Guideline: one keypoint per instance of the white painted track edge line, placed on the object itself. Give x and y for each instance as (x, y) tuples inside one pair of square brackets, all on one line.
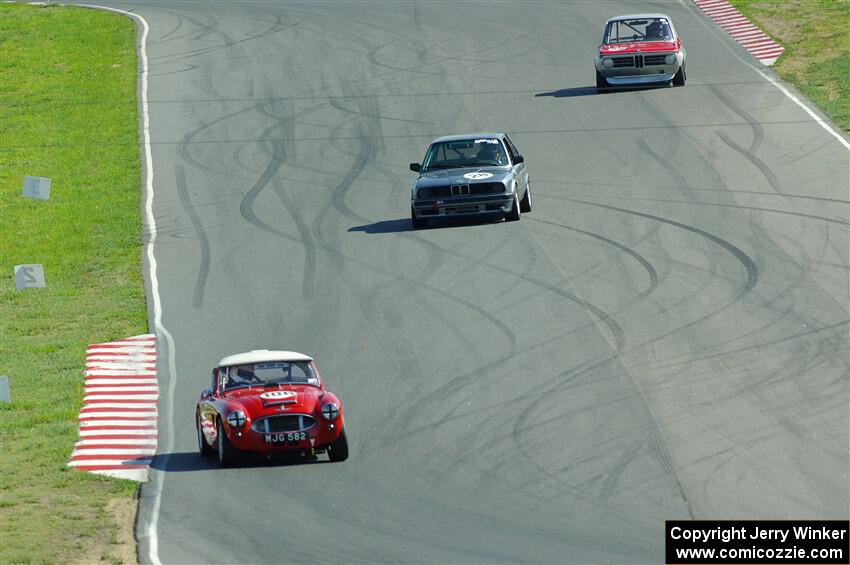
[(160, 329), (774, 81)]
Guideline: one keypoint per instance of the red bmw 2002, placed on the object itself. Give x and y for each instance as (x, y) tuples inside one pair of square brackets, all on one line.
[(640, 49), (269, 402)]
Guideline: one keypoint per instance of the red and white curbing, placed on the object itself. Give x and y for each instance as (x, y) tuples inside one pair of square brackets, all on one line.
[(118, 433), (759, 44)]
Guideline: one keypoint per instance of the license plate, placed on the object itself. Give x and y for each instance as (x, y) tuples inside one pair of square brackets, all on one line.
[(285, 437)]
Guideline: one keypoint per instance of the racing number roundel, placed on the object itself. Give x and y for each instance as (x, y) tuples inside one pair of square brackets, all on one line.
[(477, 175), (278, 394)]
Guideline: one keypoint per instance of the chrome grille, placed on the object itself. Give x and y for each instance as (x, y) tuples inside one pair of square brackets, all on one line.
[(653, 60), (283, 423), (620, 62)]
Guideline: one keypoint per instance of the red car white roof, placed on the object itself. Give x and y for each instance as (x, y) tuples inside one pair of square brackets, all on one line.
[(262, 356)]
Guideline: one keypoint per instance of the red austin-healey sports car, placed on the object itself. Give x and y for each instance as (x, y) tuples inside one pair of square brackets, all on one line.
[(269, 402)]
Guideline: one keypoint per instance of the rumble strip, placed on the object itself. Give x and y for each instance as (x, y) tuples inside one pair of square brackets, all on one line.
[(118, 419), (742, 30)]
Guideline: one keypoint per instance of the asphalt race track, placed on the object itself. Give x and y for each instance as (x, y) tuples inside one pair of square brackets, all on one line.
[(665, 336)]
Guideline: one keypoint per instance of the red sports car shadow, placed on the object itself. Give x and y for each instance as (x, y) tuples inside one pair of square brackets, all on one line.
[(185, 461)]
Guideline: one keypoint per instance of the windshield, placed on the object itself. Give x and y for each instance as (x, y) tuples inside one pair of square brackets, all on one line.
[(644, 29), (269, 373), (480, 152)]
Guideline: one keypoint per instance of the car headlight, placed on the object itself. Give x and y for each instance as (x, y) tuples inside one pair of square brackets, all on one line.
[(669, 59), (330, 411), (607, 62), (236, 419)]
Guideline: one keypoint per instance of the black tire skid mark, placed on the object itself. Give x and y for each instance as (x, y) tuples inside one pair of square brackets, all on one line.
[(740, 256), (286, 125), (684, 187), (739, 207), (653, 428), (338, 259), (251, 309), (758, 131), (418, 69), (366, 152), (569, 379), (246, 206), (164, 38), (772, 179), (663, 455), (694, 190), (642, 261), (764, 238), (203, 241), (211, 28), (753, 225), (435, 254), (776, 185), (188, 69), (785, 415), (188, 140), (705, 275), (804, 272)]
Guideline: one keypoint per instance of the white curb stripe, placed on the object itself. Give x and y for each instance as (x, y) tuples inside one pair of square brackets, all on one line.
[(142, 442), (119, 453), (96, 461)]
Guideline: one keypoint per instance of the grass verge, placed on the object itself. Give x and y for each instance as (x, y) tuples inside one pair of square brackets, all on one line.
[(816, 38), (67, 112)]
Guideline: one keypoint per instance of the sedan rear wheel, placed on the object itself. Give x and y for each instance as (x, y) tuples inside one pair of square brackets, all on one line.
[(203, 447), (338, 450), (226, 452)]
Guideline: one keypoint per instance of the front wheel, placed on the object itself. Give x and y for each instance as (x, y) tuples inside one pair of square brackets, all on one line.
[(226, 452), (601, 83), (203, 447), (513, 213), (680, 77), (525, 203), (418, 223), (338, 450)]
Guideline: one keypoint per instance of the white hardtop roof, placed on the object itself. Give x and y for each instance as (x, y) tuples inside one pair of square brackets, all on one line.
[(262, 356), (462, 136), (638, 17)]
